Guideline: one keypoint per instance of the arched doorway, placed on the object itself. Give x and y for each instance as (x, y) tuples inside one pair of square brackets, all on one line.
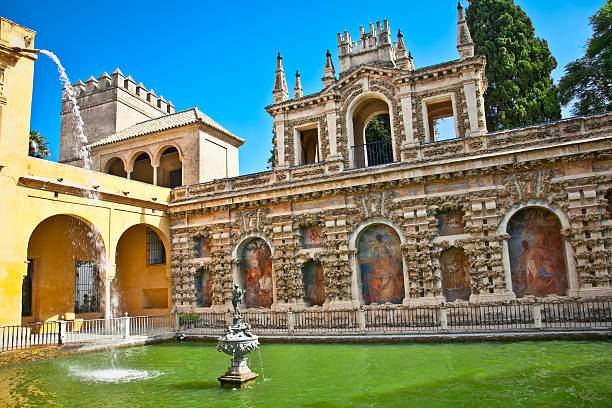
[(141, 285), (455, 275), (256, 273), (371, 135), (143, 170), (115, 167), (537, 256), (170, 170), (380, 264), (312, 279), (64, 255)]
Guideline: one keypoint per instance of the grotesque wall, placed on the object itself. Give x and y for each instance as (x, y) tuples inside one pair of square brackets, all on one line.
[(482, 217)]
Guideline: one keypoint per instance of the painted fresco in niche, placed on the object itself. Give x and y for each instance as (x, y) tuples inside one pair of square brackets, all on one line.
[(257, 273), (537, 259), (204, 248), (311, 237), (314, 288), (455, 275), (203, 284), (380, 263), (451, 222)]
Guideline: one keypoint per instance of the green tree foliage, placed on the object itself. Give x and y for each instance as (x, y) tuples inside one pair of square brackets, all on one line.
[(588, 80), (38, 146), (378, 128), (521, 91)]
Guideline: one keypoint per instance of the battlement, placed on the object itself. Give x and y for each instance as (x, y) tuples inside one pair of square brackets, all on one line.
[(108, 105), (118, 81), (374, 47)]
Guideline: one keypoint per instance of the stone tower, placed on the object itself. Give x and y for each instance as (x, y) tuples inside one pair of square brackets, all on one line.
[(108, 105)]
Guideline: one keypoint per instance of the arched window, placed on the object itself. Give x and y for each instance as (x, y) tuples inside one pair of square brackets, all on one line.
[(156, 253), (537, 258), (371, 132), (256, 267), (116, 168), (143, 170), (380, 265), (170, 170)]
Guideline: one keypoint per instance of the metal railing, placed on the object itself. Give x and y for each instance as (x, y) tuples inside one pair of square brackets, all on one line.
[(503, 317), (372, 154), (84, 331)]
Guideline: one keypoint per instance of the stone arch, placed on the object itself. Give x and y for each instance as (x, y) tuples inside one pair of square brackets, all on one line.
[(366, 106), (455, 271), (169, 164), (158, 153), (531, 245), (141, 167), (253, 270), (116, 167), (139, 286), (378, 265), (68, 256)]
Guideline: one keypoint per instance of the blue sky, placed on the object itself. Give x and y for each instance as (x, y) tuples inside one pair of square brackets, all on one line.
[(221, 56)]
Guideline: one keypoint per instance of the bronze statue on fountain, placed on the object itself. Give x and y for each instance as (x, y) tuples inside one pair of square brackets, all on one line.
[(238, 341)]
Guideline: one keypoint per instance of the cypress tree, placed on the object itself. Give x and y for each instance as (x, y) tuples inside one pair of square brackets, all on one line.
[(521, 91)]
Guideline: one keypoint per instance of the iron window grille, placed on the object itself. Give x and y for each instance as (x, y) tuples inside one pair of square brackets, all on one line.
[(26, 291), (86, 287), (156, 253)]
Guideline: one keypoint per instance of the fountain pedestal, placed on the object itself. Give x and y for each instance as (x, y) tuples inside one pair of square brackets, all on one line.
[(237, 342)]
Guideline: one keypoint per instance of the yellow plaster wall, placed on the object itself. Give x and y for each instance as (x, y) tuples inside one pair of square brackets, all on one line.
[(14, 131), (137, 282), (59, 189)]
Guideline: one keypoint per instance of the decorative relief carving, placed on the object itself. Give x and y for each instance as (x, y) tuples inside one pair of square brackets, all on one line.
[(525, 186)]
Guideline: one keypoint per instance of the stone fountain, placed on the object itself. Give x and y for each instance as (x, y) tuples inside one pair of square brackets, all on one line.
[(238, 341)]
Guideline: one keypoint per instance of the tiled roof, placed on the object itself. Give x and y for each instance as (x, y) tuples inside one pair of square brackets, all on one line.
[(174, 120)]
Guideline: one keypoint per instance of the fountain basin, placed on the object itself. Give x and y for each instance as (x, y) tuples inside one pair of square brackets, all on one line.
[(237, 342)]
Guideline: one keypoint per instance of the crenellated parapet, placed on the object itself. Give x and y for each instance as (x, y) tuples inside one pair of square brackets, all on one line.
[(108, 104), (375, 47), (115, 81)]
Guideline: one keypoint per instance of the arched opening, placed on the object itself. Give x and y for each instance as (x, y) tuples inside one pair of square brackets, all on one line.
[(380, 264), (63, 279), (372, 134), (256, 273), (537, 257), (203, 284), (115, 167), (170, 170), (455, 275), (143, 170), (141, 283), (314, 288)]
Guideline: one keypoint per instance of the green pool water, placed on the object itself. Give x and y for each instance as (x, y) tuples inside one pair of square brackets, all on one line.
[(521, 374)]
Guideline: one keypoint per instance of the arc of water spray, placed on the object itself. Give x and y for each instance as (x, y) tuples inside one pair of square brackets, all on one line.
[(83, 154)]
